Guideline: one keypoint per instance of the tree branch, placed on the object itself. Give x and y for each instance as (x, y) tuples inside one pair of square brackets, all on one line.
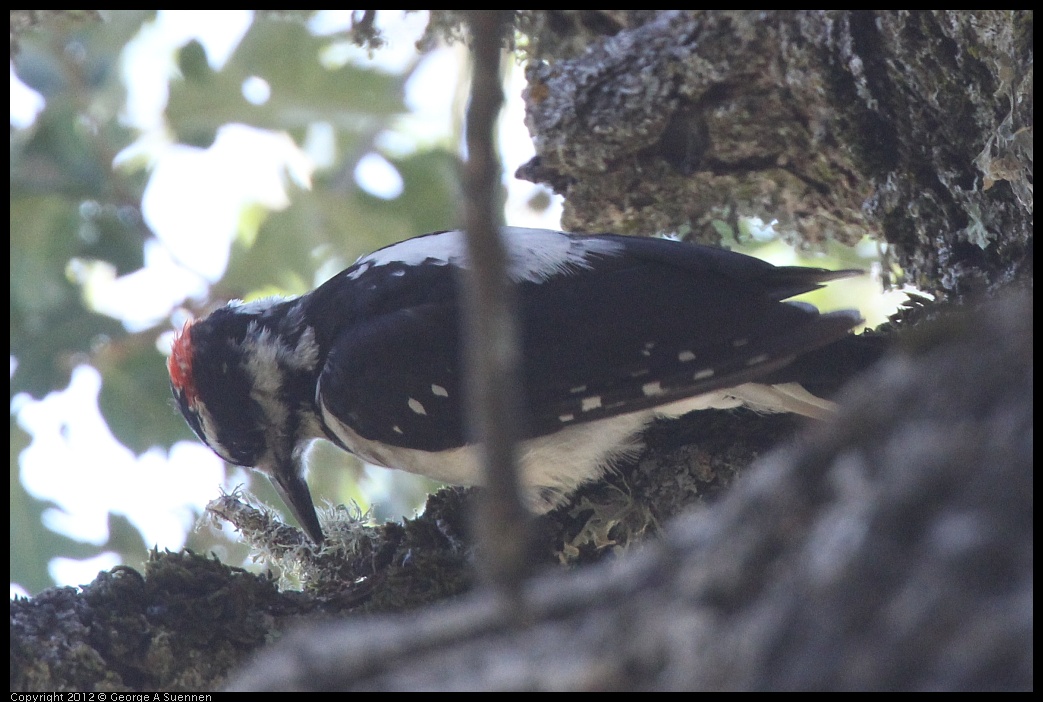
[(491, 333)]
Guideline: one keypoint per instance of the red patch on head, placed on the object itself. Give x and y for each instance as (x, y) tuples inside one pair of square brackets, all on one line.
[(180, 365)]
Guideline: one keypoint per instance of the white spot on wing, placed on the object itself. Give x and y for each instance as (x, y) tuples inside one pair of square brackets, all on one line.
[(759, 358), (652, 389), (685, 356), (740, 342), (566, 418), (358, 269), (703, 374), (439, 390), (397, 429), (415, 405), (590, 403), (578, 389)]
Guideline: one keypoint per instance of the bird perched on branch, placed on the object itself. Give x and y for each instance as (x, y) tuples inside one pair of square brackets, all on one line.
[(615, 331)]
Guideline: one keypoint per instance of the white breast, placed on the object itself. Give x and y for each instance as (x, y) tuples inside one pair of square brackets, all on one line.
[(553, 466)]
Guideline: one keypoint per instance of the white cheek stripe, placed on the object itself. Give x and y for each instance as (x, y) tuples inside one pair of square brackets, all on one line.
[(206, 422)]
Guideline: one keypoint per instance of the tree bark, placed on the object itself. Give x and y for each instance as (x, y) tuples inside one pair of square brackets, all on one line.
[(889, 548)]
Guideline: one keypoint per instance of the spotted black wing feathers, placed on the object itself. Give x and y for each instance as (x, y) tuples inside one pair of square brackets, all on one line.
[(658, 322)]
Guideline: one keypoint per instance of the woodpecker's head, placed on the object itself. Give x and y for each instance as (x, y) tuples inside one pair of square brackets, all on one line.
[(243, 378)]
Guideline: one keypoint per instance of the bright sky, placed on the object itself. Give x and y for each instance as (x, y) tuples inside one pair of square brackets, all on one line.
[(74, 460)]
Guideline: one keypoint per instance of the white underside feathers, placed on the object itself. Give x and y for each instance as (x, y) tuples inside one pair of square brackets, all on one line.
[(553, 466)]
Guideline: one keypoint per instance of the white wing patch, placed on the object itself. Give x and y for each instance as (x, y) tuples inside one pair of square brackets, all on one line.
[(533, 255), (257, 306)]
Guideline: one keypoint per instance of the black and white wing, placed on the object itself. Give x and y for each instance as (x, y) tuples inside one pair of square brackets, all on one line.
[(609, 325)]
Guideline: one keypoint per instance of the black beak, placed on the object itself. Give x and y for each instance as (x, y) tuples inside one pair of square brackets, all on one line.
[(293, 490)]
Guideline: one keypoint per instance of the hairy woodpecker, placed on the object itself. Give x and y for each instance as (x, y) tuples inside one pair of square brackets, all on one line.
[(615, 331)]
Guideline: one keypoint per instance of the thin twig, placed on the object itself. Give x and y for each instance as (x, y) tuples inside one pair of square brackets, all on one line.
[(491, 333)]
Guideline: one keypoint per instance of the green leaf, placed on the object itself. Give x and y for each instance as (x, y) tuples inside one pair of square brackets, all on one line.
[(50, 326), (61, 157), (191, 61), (303, 91), (135, 395), (115, 235), (431, 191)]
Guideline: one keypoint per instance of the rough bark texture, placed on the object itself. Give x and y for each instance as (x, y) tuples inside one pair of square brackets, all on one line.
[(891, 548), (915, 127)]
